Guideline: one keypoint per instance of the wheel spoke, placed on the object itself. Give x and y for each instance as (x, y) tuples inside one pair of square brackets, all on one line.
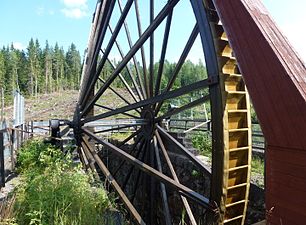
[(130, 137), (142, 143), (127, 178), (143, 57), (162, 97), (139, 93), (188, 154), (107, 8), (116, 128), (164, 12), (140, 81), (110, 44), (151, 50), (173, 173), (162, 186), (154, 173), (117, 93), (116, 186), (183, 108), (181, 61), (163, 53), (111, 109)]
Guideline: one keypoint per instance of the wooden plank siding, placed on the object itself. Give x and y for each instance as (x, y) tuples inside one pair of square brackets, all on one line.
[(276, 80)]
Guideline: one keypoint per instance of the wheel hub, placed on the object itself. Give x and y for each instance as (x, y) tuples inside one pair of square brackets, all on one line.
[(148, 128)]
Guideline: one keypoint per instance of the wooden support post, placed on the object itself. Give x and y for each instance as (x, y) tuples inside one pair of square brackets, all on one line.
[(2, 171)]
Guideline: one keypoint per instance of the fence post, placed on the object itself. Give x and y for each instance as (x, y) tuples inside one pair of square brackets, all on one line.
[(22, 134), (2, 171), (12, 136), (32, 128), (17, 138)]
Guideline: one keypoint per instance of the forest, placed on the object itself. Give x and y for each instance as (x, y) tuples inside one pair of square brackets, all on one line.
[(39, 70)]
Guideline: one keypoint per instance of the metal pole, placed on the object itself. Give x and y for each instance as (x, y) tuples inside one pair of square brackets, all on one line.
[(2, 172)]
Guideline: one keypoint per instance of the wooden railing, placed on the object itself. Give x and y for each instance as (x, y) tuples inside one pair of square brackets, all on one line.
[(200, 125)]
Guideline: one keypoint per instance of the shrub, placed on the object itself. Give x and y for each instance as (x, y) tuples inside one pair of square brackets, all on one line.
[(55, 190), (202, 142)]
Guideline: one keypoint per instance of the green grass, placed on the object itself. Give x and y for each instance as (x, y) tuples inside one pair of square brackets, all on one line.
[(55, 190), (258, 165)]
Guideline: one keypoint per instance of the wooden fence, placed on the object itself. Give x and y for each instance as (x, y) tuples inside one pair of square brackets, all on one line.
[(11, 139)]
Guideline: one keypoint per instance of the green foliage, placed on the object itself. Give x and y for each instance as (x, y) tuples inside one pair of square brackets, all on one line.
[(39, 70), (55, 190), (202, 142)]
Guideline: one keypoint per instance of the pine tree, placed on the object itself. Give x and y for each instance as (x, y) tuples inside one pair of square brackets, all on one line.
[(47, 65), (2, 70), (73, 67)]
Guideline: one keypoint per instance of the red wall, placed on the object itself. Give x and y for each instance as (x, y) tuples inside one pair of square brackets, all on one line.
[(276, 80)]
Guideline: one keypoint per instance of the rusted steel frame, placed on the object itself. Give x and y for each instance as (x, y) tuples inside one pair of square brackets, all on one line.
[(116, 128), (111, 109), (163, 52), (159, 98), (108, 6), (143, 57), (129, 89), (142, 142), (180, 62), (173, 173), (157, 21), (183, 108), (117, 93), (154, 173), (116, 186), (162, 186), (151, 51), (134, 57), (138, 91), (188, 154), (109, 46)]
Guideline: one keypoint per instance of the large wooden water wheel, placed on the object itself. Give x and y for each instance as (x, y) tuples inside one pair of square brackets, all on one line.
[(139, 35)]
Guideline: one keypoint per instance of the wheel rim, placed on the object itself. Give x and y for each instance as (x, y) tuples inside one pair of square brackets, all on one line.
[(143, 103)]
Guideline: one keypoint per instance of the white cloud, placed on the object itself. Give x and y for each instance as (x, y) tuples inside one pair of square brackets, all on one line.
[(75, 9), (75, 3), (74, 13), (18, 45)]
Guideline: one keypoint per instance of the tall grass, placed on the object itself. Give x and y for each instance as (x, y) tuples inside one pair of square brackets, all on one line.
[(55, 190)]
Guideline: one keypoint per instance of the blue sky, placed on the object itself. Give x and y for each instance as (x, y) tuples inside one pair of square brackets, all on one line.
[(67, 21)]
